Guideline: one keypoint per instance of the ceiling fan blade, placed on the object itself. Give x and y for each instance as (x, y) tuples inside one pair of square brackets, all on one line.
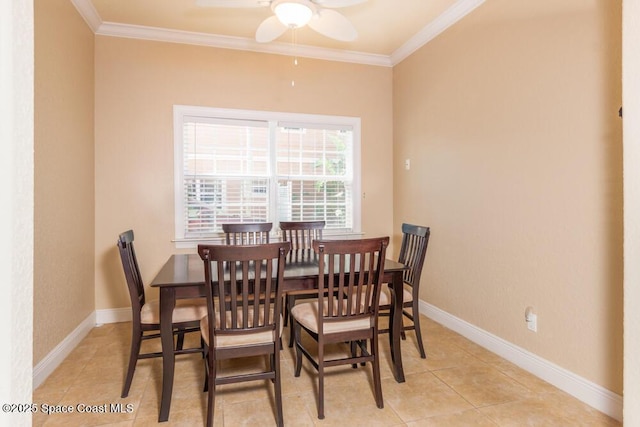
[(270, 29), (334, 25), (337, 3), (232, 3)]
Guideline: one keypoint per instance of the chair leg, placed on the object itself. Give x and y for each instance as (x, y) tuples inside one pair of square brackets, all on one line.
[(205, 357), (272, 366), (278, 390), (392, 315), (296, 333), (211, 379), (136, 339), (320, 381), (289, 303), (363, 345), (377, 385), (205, 389), (180, 341), (354, 344), (416, 326), (286, 311)]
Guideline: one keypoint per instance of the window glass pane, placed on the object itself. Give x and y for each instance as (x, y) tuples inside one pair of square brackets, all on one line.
[(308, 200), (212, 202), (225, 149), (225, 175), (314, 171), (313, 152)]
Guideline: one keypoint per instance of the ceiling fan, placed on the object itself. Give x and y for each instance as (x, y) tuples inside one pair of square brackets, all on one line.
[(318, 14)]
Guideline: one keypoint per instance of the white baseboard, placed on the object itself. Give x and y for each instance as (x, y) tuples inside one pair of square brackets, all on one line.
[(113, 315), (582, 389), (99, 317), (588, 392), (52, 360)]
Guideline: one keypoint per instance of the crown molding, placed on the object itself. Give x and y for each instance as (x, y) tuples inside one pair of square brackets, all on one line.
[(88, 13), (238, 43), (449, 17), (453, 14)]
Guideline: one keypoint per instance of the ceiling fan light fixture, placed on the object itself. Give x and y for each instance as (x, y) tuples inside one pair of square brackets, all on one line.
[(293, 14)]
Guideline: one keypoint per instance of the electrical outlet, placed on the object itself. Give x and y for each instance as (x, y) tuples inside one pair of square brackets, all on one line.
[(531, 319), (532, 322)]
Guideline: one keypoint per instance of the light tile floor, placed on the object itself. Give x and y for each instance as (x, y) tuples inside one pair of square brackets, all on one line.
[(459, 384)]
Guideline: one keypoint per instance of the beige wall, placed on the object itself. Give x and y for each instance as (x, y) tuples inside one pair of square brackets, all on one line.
[(631, 102), (64, 174), (516, 153), (137, 84)]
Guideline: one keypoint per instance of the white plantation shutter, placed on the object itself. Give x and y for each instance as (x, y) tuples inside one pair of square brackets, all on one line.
[(314, 165), (235, 166), (225, 173)]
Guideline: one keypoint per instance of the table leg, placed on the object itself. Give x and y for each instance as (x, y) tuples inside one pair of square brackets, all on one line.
[(167, 304), (395, 331)]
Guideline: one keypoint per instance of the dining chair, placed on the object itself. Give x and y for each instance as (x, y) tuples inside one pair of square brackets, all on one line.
[(146, 314), (300, 234), (349, 280), (255, 233), (244, 296), (413, 250)]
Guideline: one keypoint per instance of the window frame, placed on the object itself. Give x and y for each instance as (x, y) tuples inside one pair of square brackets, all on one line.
[(180, 112)]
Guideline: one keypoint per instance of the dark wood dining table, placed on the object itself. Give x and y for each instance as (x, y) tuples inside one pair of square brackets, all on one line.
[(182, 276)]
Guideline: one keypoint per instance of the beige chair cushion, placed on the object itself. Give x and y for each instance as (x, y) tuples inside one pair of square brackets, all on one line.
[(240, 339), (186, 310), (306, 314), (385, 294)]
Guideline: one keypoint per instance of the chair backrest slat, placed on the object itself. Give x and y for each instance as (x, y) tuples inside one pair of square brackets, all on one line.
[(413, 250), (351, 272), (301, 233), (131, 271), (256, 233), (245, 281)]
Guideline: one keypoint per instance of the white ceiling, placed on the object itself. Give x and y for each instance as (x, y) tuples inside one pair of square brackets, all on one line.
[(388, 30)]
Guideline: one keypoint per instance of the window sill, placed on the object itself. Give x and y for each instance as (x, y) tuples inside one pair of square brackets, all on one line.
[(193, 243)]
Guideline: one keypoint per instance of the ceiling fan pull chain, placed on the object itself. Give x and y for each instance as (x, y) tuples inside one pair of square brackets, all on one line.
[(294, 40)]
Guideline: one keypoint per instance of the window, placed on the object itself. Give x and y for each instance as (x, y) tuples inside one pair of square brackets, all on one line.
[(255, 166)]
